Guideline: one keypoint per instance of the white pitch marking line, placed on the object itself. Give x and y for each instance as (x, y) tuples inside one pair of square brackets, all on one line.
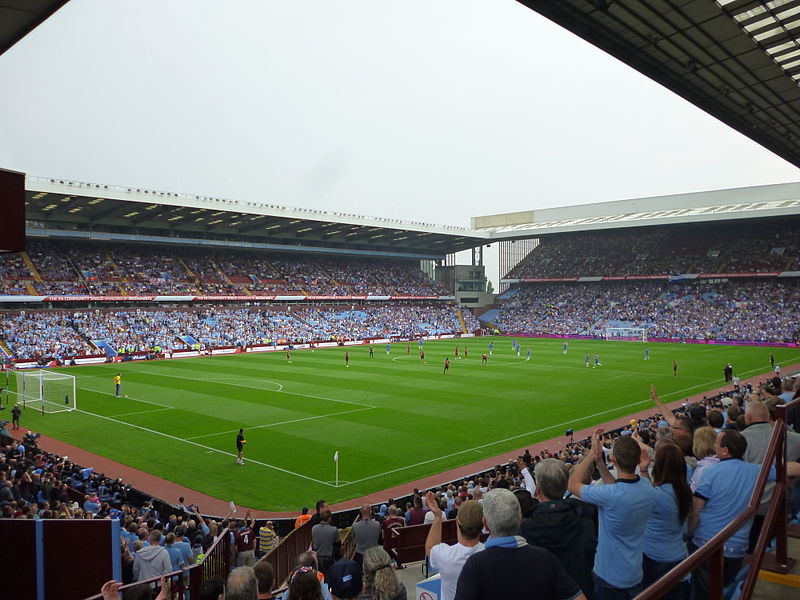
[(221, 380), (344, 412), (521, 435), (252, 387), (128, 398), (142, 412), (535, 363), (209, 448), (406, 357)]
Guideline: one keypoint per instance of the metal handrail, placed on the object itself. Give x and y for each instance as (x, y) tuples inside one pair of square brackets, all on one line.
[(218, 552), (349, 541), (775, 522), (282, 557)]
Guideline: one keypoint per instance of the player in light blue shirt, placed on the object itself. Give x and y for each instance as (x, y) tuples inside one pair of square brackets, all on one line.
[(647, 353), (528, 357), (586, 359), (388, 348), (491, 348)]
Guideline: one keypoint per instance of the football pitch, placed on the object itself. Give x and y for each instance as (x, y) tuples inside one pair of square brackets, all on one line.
[(392, 418)]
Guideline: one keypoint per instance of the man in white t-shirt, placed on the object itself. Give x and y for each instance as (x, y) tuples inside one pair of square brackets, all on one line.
[(449, 560)]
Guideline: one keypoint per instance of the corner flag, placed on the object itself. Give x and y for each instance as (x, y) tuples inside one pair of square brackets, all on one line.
[(336, 460)]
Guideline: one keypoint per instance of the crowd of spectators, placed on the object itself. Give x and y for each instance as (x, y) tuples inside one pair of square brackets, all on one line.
[(38, 484), (13, 287), (43, 334), (763, 311), (140, 269), (614, 508), (764, 246)]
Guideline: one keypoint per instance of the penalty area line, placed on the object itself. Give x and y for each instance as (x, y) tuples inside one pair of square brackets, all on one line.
[(141, 412), (126, 397), (252, 387)]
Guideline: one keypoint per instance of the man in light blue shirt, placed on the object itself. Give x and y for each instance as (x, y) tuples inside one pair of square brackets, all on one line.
[(624, 507)]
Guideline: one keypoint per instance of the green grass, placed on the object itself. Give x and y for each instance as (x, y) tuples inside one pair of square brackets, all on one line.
[(393, 419)]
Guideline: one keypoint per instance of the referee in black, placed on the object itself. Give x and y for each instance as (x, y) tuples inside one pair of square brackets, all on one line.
[(240, 442)]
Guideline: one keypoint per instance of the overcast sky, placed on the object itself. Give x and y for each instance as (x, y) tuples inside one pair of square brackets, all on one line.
[(434, 110)]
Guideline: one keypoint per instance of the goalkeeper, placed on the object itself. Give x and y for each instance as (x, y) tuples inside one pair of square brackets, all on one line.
[(117, 384)]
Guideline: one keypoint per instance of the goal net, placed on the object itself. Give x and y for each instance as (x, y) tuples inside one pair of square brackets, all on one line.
[(47, 391), (631, 334)]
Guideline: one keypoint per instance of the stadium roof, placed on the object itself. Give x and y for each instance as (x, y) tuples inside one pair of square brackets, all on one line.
[(19, 17), (61, 208), (719, 205), (738, 60)]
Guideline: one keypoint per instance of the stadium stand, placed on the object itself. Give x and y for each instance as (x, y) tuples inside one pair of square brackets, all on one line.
[(763, 311), (63, 334), (60, 267), (661, 251)]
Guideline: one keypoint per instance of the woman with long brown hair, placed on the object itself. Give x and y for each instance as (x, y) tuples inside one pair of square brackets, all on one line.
[(663, 544)]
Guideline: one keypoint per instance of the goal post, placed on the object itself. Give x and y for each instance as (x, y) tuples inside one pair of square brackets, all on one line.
[(48, 391), (630, 334)]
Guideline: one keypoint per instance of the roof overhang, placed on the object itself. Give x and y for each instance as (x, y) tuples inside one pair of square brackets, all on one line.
[(19, 17), (735, 59), (719, 205), (56, 207)]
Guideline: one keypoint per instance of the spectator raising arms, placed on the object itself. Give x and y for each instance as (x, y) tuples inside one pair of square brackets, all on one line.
[(624, 504)]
